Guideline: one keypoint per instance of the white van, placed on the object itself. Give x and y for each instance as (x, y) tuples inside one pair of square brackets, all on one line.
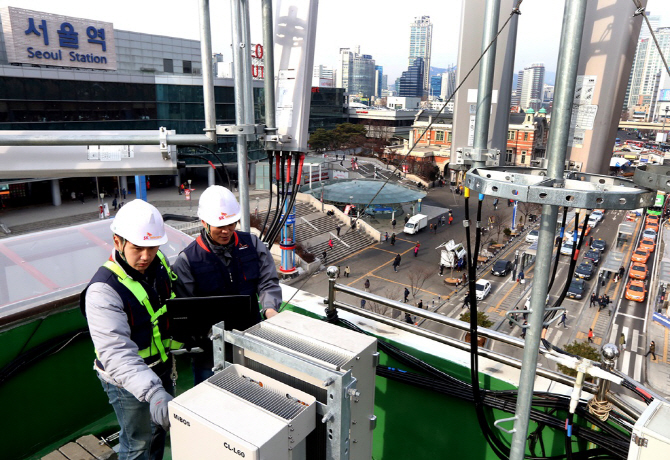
[(416, 223)]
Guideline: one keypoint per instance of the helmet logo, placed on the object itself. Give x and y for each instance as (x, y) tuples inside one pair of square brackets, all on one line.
[(149, 236), (223, 216)]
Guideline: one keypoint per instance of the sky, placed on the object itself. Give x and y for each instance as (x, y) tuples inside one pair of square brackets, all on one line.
[(381, 28)]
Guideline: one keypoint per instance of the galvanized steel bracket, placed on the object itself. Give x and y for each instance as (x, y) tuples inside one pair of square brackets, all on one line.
[(468, 155), (235, 130), (577, 190), (165, 152), (656, 177)]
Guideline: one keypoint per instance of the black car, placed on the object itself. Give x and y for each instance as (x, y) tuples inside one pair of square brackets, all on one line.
[(584, 270), (593, 256), (576, 289), (598, 245), (501, 267)]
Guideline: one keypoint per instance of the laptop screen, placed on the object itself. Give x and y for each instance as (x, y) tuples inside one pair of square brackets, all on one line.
[(193, 317)]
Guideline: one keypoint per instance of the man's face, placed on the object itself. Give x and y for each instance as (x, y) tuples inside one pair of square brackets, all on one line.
[(138, 257), (221, 235)]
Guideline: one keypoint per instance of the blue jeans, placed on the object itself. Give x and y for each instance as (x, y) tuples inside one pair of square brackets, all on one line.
[(140, 438)]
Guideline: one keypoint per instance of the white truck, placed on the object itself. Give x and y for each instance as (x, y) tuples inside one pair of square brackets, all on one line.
[(450, 253), (416, 223)]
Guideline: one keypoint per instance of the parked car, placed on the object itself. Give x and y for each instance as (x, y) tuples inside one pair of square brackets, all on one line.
[(566, 248), (598, 245), (483, 289), (532, 236), (576, 289), (502, 267), (638, 271), (652, 220), (649, 233), (584, 270), (593, 221), (635, 290), (648, 244), (593, 256), (600, 215), (640, 255)]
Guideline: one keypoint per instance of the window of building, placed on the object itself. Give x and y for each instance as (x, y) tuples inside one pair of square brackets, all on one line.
[(168, 66), (509, 157), (449, 137), (525, 136), (510, 135), (187, 67), (523, 157), (439, 136)]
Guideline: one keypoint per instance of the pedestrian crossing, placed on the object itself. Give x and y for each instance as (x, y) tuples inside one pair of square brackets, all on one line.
[(631, 354)]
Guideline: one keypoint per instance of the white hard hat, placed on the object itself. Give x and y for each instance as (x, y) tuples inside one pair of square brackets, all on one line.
[(140, 223), (218, 206)]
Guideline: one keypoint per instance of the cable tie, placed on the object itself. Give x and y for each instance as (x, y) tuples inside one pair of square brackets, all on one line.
[(478, 224), (466, 223)]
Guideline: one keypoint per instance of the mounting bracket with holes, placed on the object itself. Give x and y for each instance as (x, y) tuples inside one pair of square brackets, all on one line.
[(656, 177), (577, 190)]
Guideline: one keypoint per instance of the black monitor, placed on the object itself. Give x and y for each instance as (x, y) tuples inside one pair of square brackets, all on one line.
[(191, 318)]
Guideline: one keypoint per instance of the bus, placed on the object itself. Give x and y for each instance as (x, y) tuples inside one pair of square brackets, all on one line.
[(659, 203)]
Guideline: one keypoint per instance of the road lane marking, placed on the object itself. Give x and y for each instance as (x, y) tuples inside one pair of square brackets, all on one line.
[(636, 336), (637, 373), (631, 316), (625, 362)]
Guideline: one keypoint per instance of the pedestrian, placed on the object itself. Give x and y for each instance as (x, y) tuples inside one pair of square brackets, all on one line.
[(466, 301), (362, 303), (590, 335), (601, 302), (495, 204), (406, 294), (337, 230), (324, 256), (406, 219), (347, 271), (458, 265), (180, 189), (430, 228), (396, 262), (330, 243), (622, 342), (465, 278), (441, 269), (393, 239), (590, 241), (81, 197), (451, 219), (564, 317), (594, 299), (123, 193), (386, 236), (652, 350), (223, 261), (408, 318), (338, 271), (607, 299), (523, 329), (435, 228), (416, 250), (131, 341), (520, 277), (509, 203), (420, 304), (115, 204), (622, 270), (393, 222), (525, 313), (367, 285)]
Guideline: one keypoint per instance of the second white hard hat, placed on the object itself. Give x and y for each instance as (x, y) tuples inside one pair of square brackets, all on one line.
[(140, 223), (218, 206)]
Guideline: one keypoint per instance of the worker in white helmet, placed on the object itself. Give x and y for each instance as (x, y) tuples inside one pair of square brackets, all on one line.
[(223, 261), (124, 306)]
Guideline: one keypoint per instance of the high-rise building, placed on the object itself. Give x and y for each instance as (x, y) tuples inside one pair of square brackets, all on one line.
[(448, 83), (323, 77), (411, 81), (420, 44), (362, 77), (646, 66), (379, 80), (344, 68), (436, 85), (530, 86), (385, 82)]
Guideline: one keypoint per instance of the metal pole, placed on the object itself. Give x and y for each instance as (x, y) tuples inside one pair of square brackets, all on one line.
[(240, 48), (269, 75), (207, 71), (486, 69), (102, 139), (568, 61)]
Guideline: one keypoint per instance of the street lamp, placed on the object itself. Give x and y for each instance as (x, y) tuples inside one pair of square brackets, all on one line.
[(667, 109), (190, 198)]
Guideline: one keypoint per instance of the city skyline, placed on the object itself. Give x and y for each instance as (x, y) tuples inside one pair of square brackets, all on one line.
[(382, 32)]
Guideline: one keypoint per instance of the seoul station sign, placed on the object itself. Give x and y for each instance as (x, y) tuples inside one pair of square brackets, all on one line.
[(33, 37)]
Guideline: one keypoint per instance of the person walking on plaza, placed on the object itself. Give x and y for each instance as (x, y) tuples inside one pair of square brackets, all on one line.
[(338, 271), (393, 239), (330, 243), (393, 222), (622, 342), (123, 193), (420, 304), (324, 256), (523, 330), (367, 285), (416, 249), (406, 294), (223, 261), (362, 303), (466, 301), (406, 219), (495, 204), (115, 204), (124, 304), (622, 270), (652, 350), (520, 277), (408, 318), (441, 269), (347, 271), (386, 236), (590, 335), (594, 299), (337, 230), (451, 218), (396, 262), (564, 317)]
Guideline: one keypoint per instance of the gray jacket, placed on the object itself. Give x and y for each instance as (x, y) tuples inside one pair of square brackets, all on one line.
[(118, 354), (269, 292)]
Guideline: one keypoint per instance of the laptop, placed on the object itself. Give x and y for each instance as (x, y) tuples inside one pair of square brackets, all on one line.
[(191, 318)]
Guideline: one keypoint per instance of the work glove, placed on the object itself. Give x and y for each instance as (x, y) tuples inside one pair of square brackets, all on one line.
[(159, 408)]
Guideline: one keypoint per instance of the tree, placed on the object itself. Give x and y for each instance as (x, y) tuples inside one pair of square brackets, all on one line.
[(497, 223), (320, 140), (417, 278), (584, 350), (392, 292), (528, 208), (482, 319)]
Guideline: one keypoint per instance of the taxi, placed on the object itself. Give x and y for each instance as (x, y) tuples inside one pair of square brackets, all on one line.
[(638, 271), (640, 255), (635, 290), (652, 221), (648, 244)]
